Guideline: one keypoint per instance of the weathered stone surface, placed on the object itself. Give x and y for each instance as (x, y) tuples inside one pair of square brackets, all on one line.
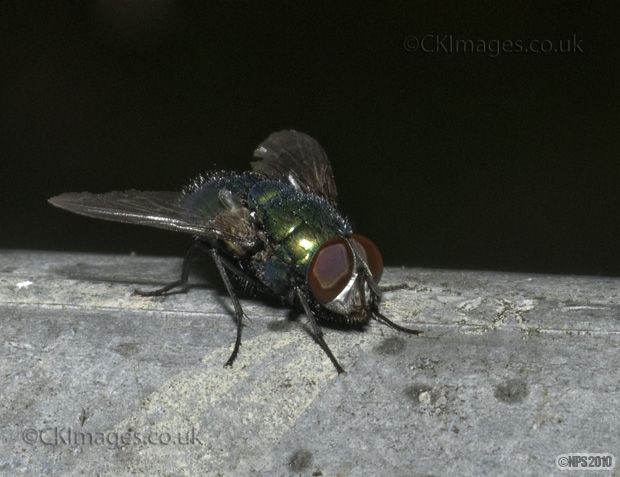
[(513, 370)]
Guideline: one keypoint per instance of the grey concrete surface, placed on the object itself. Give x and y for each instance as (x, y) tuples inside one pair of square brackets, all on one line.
[(513, 370)]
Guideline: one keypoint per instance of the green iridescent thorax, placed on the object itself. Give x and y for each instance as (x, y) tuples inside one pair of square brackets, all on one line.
[(298, 224)]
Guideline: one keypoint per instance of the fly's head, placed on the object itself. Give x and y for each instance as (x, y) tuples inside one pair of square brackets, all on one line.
[(343, 277)]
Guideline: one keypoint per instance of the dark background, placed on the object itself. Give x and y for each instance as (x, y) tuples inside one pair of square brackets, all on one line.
[(459, 160)]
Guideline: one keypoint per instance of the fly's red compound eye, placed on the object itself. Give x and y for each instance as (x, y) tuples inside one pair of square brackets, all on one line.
[(330, 270), (369, 252)]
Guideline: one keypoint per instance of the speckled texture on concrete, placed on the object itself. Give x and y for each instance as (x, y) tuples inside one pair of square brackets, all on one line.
[(513, 370)]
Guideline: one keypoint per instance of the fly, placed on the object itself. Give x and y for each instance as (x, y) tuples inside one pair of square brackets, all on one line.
[(276, 227)]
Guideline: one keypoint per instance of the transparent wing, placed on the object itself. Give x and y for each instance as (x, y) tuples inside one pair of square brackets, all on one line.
[(161, 209), (299, 159)]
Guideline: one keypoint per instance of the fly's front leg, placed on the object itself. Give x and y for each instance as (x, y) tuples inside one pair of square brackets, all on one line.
[(378, 290), (381, 318), (374, 304), (316, 331), (182, 282), (389, 288), (219, 263)]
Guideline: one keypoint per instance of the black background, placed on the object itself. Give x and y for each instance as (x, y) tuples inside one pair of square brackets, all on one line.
[(461, 160)]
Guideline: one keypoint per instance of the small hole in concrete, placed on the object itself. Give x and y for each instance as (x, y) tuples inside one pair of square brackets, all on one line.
[(512, 391), (300, 460)]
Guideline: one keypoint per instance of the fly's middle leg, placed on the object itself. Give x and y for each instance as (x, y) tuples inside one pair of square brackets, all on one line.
[(220, 264)]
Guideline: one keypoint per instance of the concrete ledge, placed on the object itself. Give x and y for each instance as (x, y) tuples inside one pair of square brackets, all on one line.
[(514, 370)]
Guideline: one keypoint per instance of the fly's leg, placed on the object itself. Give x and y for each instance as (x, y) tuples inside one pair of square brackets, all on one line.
[(379, 289), (386, 321), (389, 288), (374, 307), (316, 331), (375, 287), (219, 263), (238, 272), (182, 282)]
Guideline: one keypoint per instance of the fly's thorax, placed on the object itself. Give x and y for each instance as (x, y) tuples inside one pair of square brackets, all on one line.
[(265, 191), (297, 224)]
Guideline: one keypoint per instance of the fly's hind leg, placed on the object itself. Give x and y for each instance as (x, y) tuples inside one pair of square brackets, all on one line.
[(220, 264), (182, 282)]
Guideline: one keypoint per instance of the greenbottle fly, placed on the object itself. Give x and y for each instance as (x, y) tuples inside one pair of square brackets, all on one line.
[(276, 227)]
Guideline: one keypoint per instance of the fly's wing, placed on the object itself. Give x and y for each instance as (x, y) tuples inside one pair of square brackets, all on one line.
[(299, 159), (161, 209)]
